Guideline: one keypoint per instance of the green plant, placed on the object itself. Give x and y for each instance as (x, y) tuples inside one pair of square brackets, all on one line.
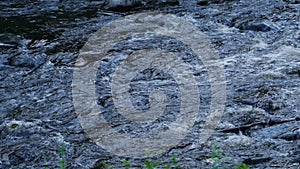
[(158, 164), (105, 165), (62, 163), (241, 166), (126, 163), (218, 157), (173, 163), (151, 164)]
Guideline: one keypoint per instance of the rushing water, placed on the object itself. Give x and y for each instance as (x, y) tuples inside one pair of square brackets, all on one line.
[(258, 43)]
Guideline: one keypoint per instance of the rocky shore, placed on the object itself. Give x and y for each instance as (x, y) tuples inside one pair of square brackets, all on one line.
[(258, 42)]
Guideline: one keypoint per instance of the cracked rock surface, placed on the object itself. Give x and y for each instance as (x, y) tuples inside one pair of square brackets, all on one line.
[(258, 43)]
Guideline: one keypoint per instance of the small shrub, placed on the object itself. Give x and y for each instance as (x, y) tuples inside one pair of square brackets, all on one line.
[(158, 164), (105, 165), (62, 163), (126, 163), (218, 157), (241, 166), (150, 164)]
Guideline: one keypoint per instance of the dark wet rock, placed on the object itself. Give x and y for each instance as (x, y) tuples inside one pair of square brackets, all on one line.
[(121, 5), (24, 60), (257, 160), (276, 131), (258, 27), (206, 2), (128, 5), (221, 1), (9, 41), (291, 136), (294, 72), (292, 1), (203, 3)]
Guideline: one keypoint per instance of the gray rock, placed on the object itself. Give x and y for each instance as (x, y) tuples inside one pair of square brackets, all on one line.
[(257, 41)]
